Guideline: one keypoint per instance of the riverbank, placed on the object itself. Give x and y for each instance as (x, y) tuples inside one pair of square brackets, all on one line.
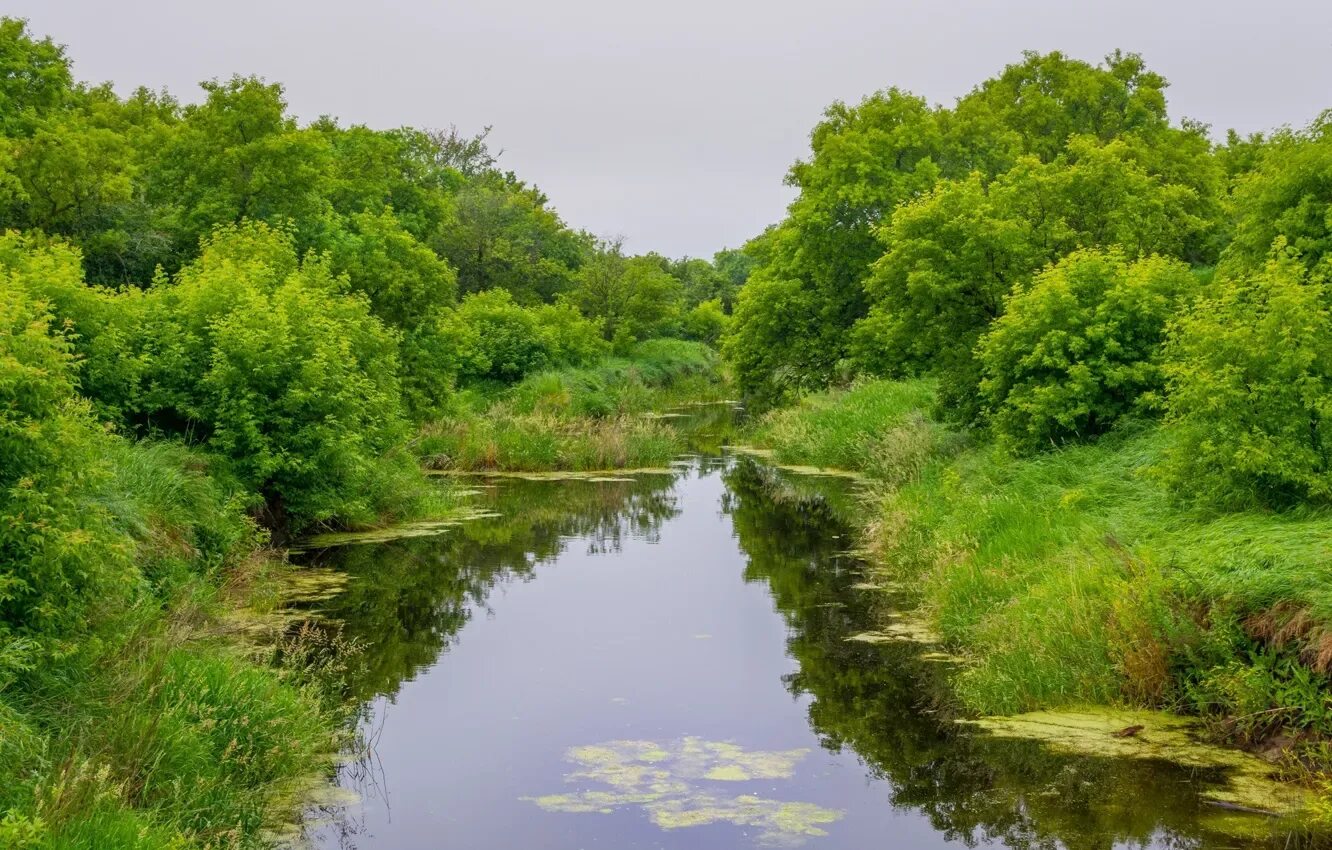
[(604, 416), (186, 714), (161, 725), (1073, 578)]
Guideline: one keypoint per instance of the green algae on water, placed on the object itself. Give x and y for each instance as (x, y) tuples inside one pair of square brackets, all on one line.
[(672, 783), (1248, 781), (401, 531)]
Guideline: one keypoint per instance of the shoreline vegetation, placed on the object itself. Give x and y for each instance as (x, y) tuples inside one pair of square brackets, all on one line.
[(1073, 578), (1081, 354), (221, 331)]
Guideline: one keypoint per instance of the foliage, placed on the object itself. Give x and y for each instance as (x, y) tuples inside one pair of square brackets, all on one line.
[(1080, 347), (633, 298), (1285, 192), (1250, 388), (269, 362), (586, 418), (913, 223), (706, 322), (60, 558)]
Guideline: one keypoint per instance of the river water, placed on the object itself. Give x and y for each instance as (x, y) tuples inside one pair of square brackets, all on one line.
[(661, 661)]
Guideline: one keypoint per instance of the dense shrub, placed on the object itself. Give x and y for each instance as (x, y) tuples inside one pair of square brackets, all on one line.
[(60, 555), (1250, 388), (504, 338), (1079, 347), (1288, 194), (706, 322), (272, 364)]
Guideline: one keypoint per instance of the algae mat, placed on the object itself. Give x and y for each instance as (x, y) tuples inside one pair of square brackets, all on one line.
[(1249, 781), (681, 784)]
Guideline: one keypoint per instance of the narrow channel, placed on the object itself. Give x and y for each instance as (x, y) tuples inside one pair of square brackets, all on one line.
[(660, 660)]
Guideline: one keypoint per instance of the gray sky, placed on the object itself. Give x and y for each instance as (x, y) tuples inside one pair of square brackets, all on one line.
[(672, 123)]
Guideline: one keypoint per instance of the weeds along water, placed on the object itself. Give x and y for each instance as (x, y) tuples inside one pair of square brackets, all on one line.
[(1074, 578)]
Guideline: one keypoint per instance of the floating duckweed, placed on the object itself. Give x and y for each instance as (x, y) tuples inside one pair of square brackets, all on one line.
[(425, 528), (556, 475), (661, 780), (909, 627), (1249, 783), (728, 773)]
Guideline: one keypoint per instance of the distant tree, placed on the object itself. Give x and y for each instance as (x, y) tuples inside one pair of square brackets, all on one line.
[(632, 297), (503, 236)]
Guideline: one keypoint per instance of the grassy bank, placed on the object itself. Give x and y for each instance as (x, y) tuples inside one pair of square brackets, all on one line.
[(150, 727), (597, 417), (1072, 577)]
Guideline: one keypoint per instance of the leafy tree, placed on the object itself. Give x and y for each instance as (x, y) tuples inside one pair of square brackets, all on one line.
[(503, 236), (707, 322), (1036, 105), (404, 280), (773, 339), (274, 365), (633, 298), (734, 266), (239, 155), (953, 256), (1080, 346), (1249, 374), (1288, 193), (35, 80)]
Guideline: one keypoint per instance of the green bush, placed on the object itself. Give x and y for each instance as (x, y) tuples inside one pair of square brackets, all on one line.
[(504, 338), (1250, 389), (1079, 347), (706, 322), (60, 555), (271, 364), (1288, 194)]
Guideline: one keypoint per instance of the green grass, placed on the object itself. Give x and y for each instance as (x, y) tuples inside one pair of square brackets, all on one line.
[(1073, 576), (152, 730), (577, 419)]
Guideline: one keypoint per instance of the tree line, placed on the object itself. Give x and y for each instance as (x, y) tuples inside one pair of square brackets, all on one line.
[(1061, 257)]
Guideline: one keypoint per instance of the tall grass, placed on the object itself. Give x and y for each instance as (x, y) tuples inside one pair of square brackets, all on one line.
[(578, 419), (152, 731)]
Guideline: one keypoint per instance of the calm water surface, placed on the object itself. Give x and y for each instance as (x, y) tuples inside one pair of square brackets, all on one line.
[(661, 662)]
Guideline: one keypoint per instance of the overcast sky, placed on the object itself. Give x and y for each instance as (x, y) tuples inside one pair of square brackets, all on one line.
[(672, 123)]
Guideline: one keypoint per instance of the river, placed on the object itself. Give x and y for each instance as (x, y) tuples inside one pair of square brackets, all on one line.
[(660, 660)]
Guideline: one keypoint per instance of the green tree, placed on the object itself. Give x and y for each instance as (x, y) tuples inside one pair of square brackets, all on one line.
[(272, 364), (404, 280), (633, 298), (1288, 193), (239, 155), (503, 236), (1249, 374), (35, 79), (953, 256), (1080, 347)]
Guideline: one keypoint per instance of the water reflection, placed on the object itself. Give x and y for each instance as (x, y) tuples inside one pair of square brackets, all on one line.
[(886, 704), (407, 599), (621, 625)]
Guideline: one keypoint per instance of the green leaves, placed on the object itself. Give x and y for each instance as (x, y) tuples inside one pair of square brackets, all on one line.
[(1250, 388), (1080, 347)]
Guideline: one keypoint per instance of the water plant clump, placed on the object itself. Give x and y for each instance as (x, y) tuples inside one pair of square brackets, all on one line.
[(672, 783)]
